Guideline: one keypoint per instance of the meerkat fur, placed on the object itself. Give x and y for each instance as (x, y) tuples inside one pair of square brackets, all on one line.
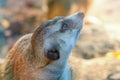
[(44, 54)]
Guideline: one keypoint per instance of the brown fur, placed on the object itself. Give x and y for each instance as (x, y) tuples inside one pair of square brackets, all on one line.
[(20, 62), (65, 7), (25, 60)]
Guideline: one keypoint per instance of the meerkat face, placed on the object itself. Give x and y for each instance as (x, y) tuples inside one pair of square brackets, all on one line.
[(60, 35)]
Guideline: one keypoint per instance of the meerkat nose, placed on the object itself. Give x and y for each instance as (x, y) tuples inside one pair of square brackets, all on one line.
[(80, 14)]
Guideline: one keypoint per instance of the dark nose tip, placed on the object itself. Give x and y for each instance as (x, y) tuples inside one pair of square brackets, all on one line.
[(81, 14)]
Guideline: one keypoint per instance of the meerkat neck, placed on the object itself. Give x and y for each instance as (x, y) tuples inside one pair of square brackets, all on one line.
[(35, 59), (55, 69)]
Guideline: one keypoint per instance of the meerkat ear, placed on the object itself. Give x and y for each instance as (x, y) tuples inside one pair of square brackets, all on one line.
[(52, 54)]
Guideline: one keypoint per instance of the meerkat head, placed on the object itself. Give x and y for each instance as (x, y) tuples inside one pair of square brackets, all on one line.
[(57, 37)]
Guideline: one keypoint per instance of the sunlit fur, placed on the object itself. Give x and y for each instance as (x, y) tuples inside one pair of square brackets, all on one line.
[(27, 60)]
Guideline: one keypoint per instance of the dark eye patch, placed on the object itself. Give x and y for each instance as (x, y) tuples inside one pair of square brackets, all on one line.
[(64, 27)]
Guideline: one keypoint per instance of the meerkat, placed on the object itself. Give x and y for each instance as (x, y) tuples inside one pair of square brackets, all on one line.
[(44, 54)]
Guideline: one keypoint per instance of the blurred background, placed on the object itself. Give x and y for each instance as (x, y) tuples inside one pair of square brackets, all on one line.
[(98, 48)]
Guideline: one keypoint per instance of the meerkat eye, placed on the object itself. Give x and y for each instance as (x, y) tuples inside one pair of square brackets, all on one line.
[(64, 27)]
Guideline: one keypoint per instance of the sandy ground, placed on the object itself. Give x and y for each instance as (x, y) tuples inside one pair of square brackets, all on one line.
[(107, 13)]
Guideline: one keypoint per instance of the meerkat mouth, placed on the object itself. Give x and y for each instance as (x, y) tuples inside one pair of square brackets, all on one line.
[(53, 54)]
